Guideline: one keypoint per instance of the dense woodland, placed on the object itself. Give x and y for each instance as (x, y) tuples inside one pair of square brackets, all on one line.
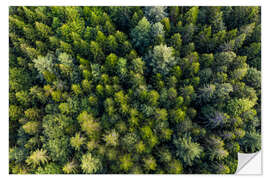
[(146, 90)]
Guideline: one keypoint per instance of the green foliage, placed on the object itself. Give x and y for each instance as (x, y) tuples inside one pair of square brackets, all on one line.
[(187, 150), (141, 35), (129, 140), (192, 15), (176, 43), (19, 79), (70, 167), (251, 142), (158, 33), (155, 90), (111, 138), (224, 58), (161, 59), (90, 164), (150, 163), (88, 125), (178, 115), (23, 98), (76, 88), (37, 158), (77, 141), (31, 127), (253, 78), (126, 162), (207, 93), (50, 168), (96, 51), (155, 14), (15, 112), (238, 106), (175, 167), (43, 30), (44, 64)]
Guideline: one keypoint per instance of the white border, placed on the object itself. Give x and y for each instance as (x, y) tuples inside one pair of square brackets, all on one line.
[(265, 80)]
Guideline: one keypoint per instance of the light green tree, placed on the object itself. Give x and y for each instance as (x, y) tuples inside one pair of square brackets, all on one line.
[(37, 158), (90, 164)]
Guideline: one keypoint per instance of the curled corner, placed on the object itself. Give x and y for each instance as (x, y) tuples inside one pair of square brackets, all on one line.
[(249, 163)]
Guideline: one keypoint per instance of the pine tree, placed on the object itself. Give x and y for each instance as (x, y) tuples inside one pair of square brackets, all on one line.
[(90, 164), (187, 150), (37, 158)]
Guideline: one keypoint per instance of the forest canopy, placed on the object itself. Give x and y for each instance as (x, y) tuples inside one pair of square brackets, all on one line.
[(136, 90)]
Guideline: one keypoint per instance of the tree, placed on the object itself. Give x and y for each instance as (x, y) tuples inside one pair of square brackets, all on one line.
[(161, 59), (19, 79), (56, 125), (175, 167), (140, 147), (111, 138), (129, 141), (15, 112), (58, 148), (155, 13), (43, 30), (121, 68), (88, 124), (187, 32), (158, 33), (176, 43), (77, 141), (66, 63), (192, 15), (178, 115), (206, 94), (100, 39), (90, 164), (146, 132), (45, 65), (37, 158), (253, 52), (50, 168), (56, 128), (111, 61), (141, 35), (253, 78), (137, 65), (216, 148), (187, 150), (219, 154), (216, 19), (121, 16), (153, 97), (96, 51), (126, 162), (112, 45), (70, 167), (223, 90), (251, 142), (150, 163), (238, 106), (76, 88), (224, 58), (167, 25), (161, 114), (172, 81), (31, 127), (174, 13), (172, 93)]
